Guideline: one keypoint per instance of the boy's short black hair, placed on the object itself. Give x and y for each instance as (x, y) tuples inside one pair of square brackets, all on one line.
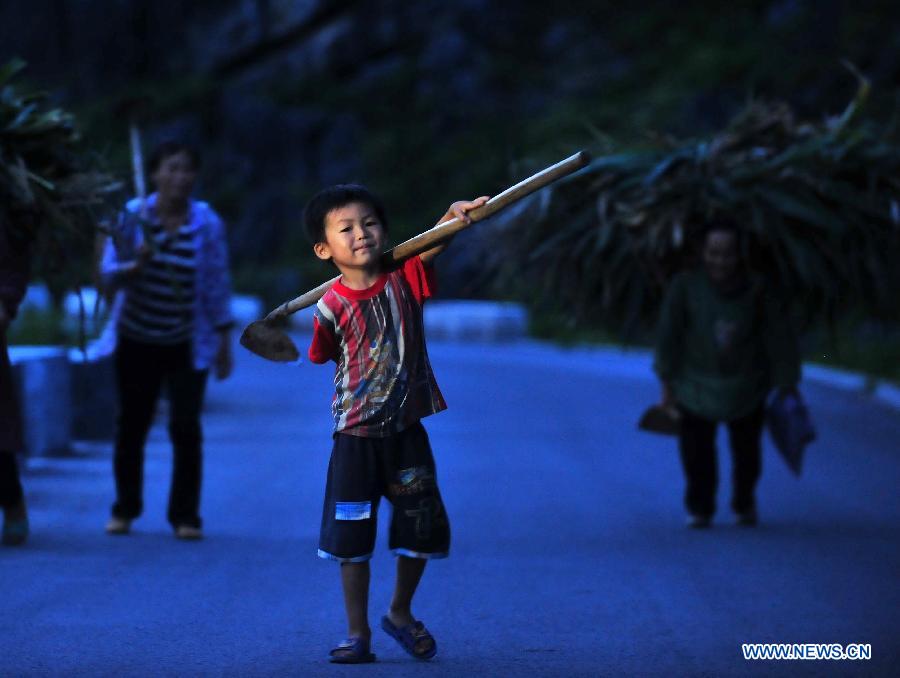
[(335, 197), (167, 149)]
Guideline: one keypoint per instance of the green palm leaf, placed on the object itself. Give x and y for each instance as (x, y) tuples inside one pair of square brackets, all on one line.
[(814, 199)]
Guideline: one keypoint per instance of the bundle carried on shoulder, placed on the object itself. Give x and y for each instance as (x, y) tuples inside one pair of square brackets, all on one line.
[(52, 194), (818, 202)]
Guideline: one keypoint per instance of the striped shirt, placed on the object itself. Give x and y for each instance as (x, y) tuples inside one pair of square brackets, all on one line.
[(159, 307), (383, 379)]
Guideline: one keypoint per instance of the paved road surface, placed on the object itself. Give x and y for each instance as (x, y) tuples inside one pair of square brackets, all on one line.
[(569, 554)]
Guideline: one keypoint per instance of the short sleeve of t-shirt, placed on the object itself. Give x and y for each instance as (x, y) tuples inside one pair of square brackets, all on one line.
[(324, 346), (421, 278)]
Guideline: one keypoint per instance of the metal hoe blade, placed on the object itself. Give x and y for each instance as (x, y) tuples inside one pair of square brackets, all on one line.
[(270, 342)]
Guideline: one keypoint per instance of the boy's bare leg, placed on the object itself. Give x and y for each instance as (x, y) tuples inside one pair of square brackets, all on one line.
[(355, 581), (409, 573)]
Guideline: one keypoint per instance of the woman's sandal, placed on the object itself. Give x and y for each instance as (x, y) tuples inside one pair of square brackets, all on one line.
[(351, 651), (15, 532), (15, 525), (410, 636)]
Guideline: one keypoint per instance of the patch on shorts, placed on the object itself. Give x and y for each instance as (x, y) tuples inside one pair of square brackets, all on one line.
[(429, 514), (412, 481), (352, 510)]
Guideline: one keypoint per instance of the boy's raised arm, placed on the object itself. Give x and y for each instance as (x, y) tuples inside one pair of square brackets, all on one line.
[(458, 210)]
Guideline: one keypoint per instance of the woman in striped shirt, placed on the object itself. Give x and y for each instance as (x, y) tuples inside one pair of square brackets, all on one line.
[(169, 256)]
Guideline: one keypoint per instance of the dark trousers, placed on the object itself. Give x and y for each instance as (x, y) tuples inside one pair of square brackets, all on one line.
[(10, 433), (697, 444), (10, 486), (141, 372)]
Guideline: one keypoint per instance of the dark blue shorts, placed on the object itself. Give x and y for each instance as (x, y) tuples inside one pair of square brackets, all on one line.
[(361, 471)]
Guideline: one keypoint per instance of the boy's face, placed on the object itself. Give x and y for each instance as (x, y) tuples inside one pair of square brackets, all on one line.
[(354, 237)]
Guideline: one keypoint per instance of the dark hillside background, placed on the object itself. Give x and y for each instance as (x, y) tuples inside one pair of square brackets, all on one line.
[(427, 101)]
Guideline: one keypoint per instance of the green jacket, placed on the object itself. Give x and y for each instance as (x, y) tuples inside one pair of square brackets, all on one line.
[(720, 353)]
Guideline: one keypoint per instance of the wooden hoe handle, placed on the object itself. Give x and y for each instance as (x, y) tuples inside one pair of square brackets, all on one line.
[(438, 234)]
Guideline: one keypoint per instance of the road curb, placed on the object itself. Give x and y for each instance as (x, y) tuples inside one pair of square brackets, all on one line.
[(889, 395), (884, 392), (844, 380)]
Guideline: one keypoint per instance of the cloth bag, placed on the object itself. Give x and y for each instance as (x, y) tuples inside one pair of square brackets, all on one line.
[(790, 428)]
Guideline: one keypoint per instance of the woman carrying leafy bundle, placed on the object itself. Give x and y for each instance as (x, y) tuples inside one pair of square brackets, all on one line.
[(723, 343)]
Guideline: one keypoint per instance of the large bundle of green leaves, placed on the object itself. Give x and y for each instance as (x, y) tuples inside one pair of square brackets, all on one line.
[(52, 195), (818, 206)]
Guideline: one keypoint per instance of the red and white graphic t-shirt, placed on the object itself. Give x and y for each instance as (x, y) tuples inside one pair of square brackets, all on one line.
[(383, 380)]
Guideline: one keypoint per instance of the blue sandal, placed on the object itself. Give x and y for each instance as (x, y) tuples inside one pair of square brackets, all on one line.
[(410, 636), (351, 651)]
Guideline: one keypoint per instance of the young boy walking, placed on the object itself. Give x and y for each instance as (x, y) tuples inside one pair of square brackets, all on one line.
[(370, 324)]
